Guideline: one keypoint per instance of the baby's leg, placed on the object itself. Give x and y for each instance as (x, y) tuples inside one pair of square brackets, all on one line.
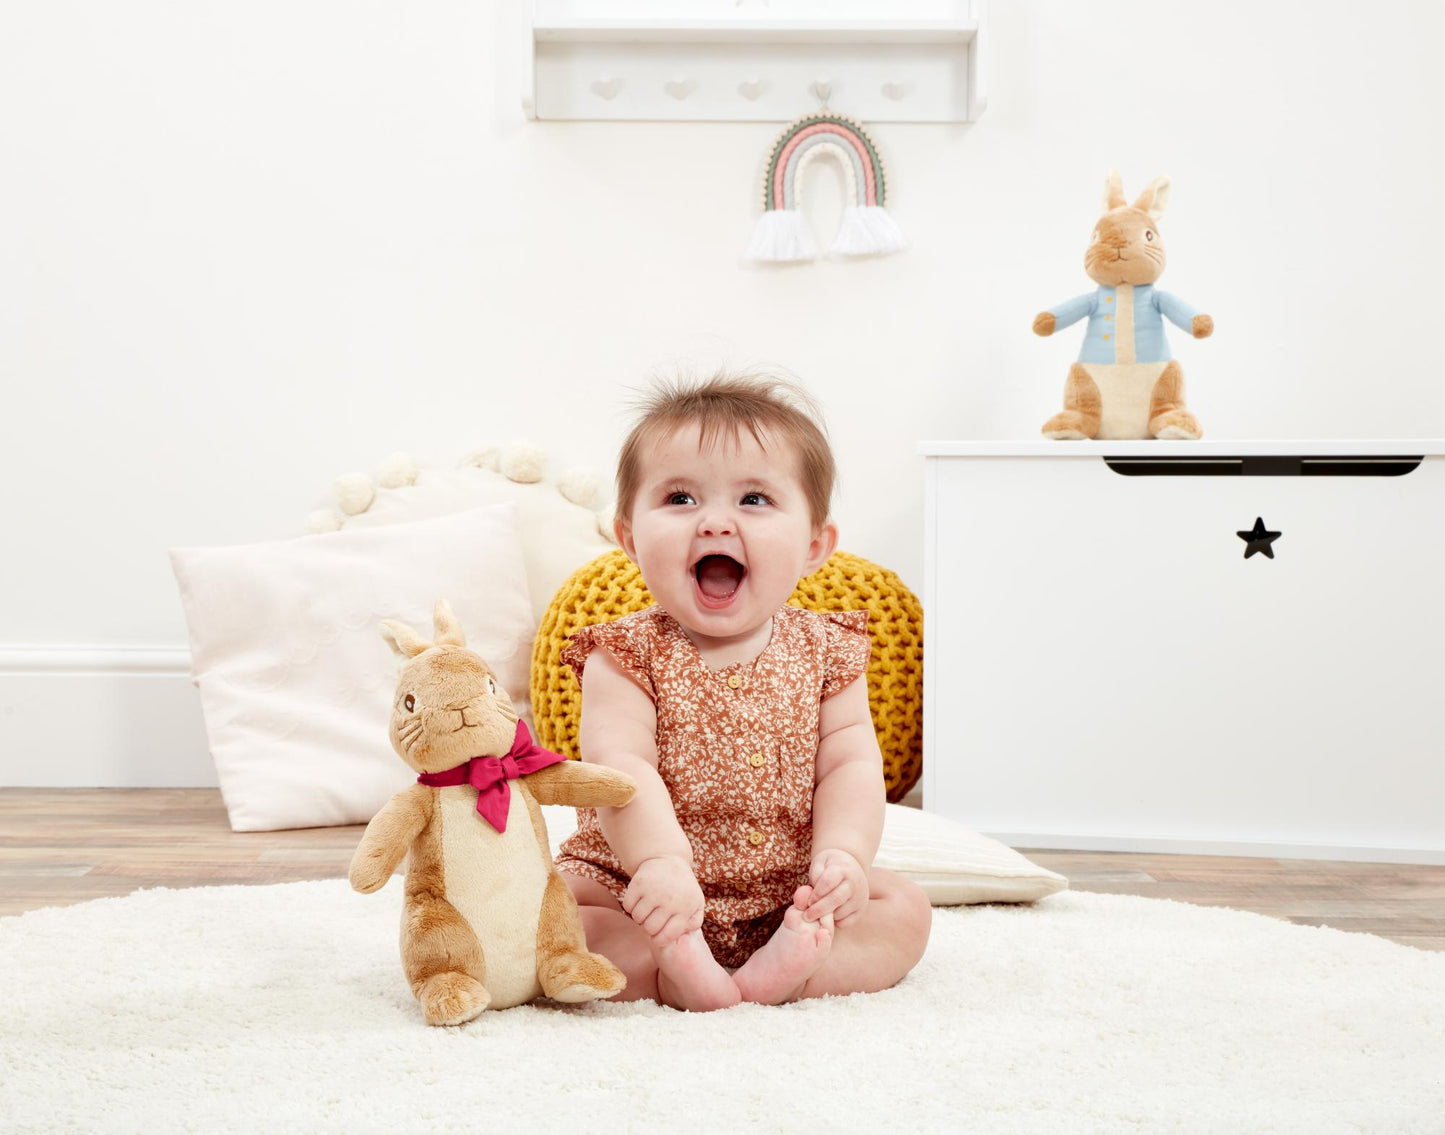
[(683, 975), (612, 933), (874, 950)]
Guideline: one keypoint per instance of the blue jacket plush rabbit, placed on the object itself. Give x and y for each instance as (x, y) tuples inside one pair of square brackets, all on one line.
[(1125, 384), (1108, 321)]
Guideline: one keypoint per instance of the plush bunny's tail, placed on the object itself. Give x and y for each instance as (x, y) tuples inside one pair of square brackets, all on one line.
[(781, 235), (867, 230)]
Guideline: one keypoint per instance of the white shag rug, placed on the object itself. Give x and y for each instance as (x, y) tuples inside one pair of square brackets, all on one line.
[(283, 1008)]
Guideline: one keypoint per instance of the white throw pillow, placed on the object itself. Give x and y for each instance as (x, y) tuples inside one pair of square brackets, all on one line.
[(952, 864), (956, 865), (295, 678), (557, 536)]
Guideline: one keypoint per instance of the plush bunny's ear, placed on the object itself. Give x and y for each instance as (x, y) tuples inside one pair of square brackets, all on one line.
[(405, 641), (1154, 197), (448, 630), (1113, 191)]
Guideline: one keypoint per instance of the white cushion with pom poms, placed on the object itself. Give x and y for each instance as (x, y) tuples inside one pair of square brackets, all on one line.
[(559, 522)]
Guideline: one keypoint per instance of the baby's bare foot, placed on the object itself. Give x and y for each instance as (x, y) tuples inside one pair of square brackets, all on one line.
[(689, 977), (778, 971)]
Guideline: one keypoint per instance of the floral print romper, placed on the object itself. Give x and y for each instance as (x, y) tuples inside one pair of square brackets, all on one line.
[(736, 749)]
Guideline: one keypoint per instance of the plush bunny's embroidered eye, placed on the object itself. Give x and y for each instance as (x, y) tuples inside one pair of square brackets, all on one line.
[(491, 686), (1094, 239), (409, 702), (1148, 234)]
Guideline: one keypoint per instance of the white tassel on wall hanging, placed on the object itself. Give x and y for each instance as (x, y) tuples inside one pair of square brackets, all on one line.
[(782, 233)]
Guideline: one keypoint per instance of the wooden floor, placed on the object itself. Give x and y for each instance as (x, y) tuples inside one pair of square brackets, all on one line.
[(62, 846)]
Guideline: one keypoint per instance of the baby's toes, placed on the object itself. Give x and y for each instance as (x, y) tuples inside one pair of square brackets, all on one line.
[(816, 933)]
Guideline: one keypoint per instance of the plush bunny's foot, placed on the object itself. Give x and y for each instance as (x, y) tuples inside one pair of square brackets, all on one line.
[(579, 976), (451, 998), (1069, 425), (1176, 425)]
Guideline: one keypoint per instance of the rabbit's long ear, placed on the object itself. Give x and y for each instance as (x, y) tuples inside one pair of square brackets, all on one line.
[(448, 630), (405, 641), (1154, 198), (1113, 191)]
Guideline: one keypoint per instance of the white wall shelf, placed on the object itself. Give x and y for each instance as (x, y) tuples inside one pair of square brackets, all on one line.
[(746, 61)]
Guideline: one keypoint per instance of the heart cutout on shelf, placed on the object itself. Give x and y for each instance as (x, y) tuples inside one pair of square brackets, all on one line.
[(606, 87)]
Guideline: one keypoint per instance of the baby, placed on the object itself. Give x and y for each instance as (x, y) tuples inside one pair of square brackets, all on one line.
[(742, 869)]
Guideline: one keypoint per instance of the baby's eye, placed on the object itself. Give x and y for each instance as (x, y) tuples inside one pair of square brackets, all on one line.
[(672, 497), (748, 497)]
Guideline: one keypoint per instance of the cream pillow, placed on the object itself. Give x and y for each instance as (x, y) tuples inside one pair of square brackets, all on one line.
[(955, 865), (557, 535), (952, 864), (295, 678)]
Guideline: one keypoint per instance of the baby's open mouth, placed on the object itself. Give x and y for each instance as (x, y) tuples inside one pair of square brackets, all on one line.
[(718, 576)]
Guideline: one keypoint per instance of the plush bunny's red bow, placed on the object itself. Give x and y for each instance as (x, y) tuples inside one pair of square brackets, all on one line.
[(489, 775)]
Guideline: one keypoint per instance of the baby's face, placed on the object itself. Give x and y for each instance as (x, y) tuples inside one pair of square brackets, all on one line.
[(722, 536)]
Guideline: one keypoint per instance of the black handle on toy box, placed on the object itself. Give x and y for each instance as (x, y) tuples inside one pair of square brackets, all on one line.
[(1271, 466)]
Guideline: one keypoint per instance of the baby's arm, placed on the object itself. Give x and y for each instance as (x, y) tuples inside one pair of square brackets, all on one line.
[(847, 804), (619, 731)]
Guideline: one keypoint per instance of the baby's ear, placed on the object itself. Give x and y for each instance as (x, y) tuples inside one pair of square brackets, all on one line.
[(822, 547), (623, 531)]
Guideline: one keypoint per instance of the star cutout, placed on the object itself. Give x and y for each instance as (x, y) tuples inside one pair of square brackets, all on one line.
[(1258, 540)]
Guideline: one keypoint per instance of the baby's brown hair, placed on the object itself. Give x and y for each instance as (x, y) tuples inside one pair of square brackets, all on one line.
[(772, 409)]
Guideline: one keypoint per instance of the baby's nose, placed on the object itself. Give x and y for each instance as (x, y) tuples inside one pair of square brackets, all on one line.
[(716, 524)]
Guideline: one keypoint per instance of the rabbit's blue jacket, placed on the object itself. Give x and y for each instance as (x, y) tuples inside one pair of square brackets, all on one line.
[(1143, 306)]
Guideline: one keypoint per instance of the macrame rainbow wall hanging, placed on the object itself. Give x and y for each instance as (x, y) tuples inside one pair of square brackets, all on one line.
[(782, 233)]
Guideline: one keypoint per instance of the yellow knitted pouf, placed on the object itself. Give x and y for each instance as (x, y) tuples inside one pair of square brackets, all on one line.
[(611, 586)]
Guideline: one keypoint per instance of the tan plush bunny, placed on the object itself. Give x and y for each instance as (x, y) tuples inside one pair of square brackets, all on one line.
[(487, 920), (1125, 384)]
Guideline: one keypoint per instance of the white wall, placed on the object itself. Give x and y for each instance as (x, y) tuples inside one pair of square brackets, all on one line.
[(246, 247)]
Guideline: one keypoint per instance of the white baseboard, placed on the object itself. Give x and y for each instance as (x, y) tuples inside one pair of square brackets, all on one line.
[(1050, 841), (128, 717), (101, 717)]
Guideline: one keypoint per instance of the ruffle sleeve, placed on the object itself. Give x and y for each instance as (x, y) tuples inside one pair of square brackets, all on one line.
[(848, 647), (628, 640)]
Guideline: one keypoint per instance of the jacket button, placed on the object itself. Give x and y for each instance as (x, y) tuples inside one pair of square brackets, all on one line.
[(734, 681), (756, 760), (755, 838)]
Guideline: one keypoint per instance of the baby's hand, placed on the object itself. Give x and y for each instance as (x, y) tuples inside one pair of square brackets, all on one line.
[(664, 899), (839, 886)]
